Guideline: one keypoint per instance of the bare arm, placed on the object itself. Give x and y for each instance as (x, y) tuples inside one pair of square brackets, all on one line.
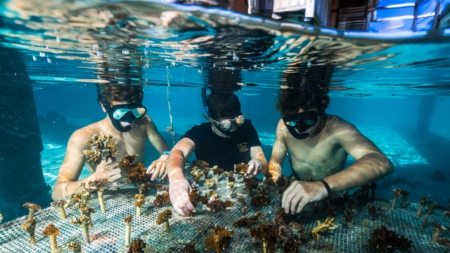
[(67, 182), (155, 137), (179, 188), (158, 167), (258, 163), (279, 151), (371, 164)]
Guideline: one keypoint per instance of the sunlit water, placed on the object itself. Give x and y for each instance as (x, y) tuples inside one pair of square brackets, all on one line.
[(385, 84)]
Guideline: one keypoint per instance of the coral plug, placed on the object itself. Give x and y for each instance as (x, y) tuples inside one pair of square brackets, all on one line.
[(423, 201), (140, 201), (437, 230), (397, 193), (74, 247), (164, 217), (32, 208), (127, 221), (100, 185), (60, 205), (84, 222), (30, 227), (52, 232)]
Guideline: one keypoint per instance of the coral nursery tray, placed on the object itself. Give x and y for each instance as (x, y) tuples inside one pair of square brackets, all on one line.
[(108, 231)]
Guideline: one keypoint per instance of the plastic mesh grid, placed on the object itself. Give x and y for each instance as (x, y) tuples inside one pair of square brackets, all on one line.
[(107, 234)]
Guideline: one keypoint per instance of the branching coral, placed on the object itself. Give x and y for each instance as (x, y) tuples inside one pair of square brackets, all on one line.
[(210, 183), (218, 204), (100, 185), (321, 227), (250, 184), (136, 172), (195, 198), (30, 227), (162, 199), (32, 208), (164, 217), (200, 163), (268, 179), (102, 147), (86, 210), (52, 232), (372, 210), (60, 205), (281, 218), (267, 234), (218, 172), (241, 168), (197, 174), (384, 240), (282, 184), (137, 246), (74, 247), (260, 200), (218, 238), (140, 201), (249, 221)]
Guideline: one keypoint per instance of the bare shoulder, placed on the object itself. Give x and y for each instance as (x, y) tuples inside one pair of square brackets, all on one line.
[(80, 136), (338, 124)]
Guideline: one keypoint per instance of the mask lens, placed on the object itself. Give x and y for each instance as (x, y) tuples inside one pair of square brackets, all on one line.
[(225, 124), (119, 113), (138, 112), (239, 120)]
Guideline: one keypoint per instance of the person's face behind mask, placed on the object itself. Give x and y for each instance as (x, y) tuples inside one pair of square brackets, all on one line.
[(227, 126), (122, 114), (299, 123)]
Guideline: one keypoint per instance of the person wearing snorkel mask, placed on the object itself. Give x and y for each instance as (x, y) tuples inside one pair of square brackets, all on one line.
[(129, 124), (319, 145), (227, 138)]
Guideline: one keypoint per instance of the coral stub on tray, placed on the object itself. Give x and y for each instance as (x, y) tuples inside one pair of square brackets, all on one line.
[(218, 204), (266, 233), (137, 246), (162, 199), (249, 221), (384, 240), (195, 198), (164, 216), (218, 238), (260, 200)]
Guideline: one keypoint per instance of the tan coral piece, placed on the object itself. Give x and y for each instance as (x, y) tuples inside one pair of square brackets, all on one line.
[(75, 247), (218, 238), (164, 217), (327, 224), (30, 226), (31, 207), (52, 232)]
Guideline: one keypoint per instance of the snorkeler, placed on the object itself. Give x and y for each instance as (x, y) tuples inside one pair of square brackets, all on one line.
[(319, 144), (227, 139), (126, 120)]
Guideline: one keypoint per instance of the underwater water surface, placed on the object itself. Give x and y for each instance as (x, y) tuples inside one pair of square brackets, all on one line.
[(393, 87)]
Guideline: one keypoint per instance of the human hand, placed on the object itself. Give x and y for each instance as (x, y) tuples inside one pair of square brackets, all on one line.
[(300, 193), (107, 169), (158, 168), (254, 167), (179, 196)]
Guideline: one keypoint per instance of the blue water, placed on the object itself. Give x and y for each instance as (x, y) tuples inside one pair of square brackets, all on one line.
[(393, 87)]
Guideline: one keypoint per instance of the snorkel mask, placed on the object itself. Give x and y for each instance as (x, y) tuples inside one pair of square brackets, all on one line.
[(124, 113), (228, 126), (300, 122)]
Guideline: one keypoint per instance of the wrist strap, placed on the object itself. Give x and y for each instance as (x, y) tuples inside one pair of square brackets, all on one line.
[(327, 186)]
